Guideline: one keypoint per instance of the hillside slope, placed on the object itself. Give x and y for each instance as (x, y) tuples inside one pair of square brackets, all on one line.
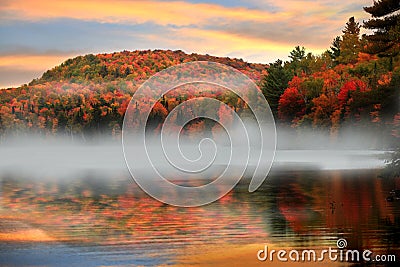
[(89, 94)]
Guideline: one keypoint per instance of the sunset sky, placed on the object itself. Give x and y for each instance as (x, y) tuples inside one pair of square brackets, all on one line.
[(37, 35)]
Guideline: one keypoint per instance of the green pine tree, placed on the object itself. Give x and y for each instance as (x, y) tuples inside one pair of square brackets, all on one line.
[(334, 51), (385, 23), (275, 83), (350, 45)]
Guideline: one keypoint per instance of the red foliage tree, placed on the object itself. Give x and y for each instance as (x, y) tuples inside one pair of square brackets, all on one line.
[(324, 107), (345, 94), (291, 105)]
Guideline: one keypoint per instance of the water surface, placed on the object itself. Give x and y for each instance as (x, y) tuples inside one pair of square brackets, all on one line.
[(91, 220)]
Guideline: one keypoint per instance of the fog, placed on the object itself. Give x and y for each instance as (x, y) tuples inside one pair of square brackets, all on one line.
[(36, 157)]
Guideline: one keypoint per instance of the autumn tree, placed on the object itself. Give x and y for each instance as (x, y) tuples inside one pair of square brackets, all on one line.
[(322, 110), (310, 89), (345, 95), (156, 117), (291, 105), (103, 71)]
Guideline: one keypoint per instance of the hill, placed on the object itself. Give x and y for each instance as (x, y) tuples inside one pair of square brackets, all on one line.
[(89, 94), (135, 66), (326, 94)]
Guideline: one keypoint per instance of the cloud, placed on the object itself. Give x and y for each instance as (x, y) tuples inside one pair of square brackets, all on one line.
[(313, 23), (178, 13), (22, 68), (66, 35), (255, 30), (10, 77), (223, 43), (289, 21), (164, 13), (34, 61)]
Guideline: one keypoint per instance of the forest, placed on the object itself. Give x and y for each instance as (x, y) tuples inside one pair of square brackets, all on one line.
[(354, 83), (88, 95)]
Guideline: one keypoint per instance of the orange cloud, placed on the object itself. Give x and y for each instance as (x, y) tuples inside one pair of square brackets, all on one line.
[(20, 69), (161, 12), (32, 62), (261, 35), (228, 44), (299, 15), (178, 13)]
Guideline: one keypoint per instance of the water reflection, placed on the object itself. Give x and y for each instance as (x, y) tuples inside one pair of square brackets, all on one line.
[(112, 222)]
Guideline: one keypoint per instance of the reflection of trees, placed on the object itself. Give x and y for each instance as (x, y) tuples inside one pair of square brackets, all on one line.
[(306, 207), (285, 204), (300, 208), (95, 211), (264, 205), (361, 208)]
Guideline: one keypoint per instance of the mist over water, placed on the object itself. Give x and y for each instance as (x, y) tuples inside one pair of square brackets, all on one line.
[(81, 192), (36, 157)]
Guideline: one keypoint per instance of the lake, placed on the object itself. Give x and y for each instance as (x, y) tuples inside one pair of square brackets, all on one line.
[(106, 220)]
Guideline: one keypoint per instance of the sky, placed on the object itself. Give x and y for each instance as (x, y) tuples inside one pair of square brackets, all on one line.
[(38, 35)]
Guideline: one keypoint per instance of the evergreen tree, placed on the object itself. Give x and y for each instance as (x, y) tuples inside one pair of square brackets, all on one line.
[(297, 55), (385, 23), (334, 52), (103, 71), (350, 45), (352, 27), (127, 71), (274, 84)]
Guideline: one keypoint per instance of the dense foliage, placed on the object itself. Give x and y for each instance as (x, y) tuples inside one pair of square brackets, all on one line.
[(355, 83), (88, 95)]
